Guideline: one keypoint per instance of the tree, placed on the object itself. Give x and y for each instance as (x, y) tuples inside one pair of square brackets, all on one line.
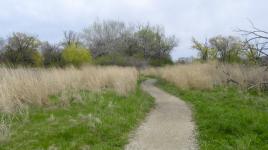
[(256, 43), (71, 37), (139, 43), (154, 43), (252, 54), (106, 37), (228, 48), (76, 55), (203, 49), (22, 49), (52, 55)]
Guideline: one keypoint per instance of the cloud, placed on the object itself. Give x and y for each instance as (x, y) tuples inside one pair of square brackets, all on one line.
[(199, 18)]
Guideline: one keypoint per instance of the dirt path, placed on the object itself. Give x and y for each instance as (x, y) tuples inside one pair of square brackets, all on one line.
[(167, 127)]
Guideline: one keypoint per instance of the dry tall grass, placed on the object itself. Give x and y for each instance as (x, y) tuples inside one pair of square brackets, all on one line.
[(206, 76), (33, 86)]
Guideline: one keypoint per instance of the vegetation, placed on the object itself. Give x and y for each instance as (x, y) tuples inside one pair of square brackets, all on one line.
[(131, 44), (226, 118), (22, 49), (76, 55), (227, 50), (206, 76), (52, 55), (92, 107), (138, 43), (228, 100), (78, 120), (24, 86)]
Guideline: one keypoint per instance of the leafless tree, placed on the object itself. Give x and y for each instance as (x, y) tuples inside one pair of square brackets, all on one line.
[(257, 40), (105, 37), (256, 37), (71, 37), (51, 54)]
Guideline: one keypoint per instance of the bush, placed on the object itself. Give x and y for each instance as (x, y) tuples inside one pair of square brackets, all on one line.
[(37, 59), (76, 55), (121, 60), (111, 59), (160, 62)]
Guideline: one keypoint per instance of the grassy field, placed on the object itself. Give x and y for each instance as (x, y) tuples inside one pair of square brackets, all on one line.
[(91, 120), (32, 86), (226, 118), (205, 76)]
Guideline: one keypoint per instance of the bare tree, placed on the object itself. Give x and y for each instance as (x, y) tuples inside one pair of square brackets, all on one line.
[(256, 37), (51, 54), (71, 37), (256, 42), (107, 37)]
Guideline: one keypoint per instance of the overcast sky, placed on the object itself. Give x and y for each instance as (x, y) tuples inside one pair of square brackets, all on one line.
[(183, 18)]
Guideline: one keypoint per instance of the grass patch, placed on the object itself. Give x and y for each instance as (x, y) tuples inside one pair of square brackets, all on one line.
[(227, 118), (98, 121)]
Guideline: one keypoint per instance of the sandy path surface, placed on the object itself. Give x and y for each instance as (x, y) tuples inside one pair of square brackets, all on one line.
[(168, 126)]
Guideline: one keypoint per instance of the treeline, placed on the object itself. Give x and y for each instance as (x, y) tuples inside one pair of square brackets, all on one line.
[(103, 43), (228, 49)]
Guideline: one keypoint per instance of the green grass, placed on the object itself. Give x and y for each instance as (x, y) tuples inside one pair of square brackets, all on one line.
[(101, 121), (227, 118)]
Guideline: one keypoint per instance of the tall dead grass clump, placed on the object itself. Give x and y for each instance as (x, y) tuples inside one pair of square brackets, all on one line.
[(33, 86), (208, 75)]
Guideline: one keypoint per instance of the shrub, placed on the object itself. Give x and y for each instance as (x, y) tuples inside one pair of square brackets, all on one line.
[(161, 62), (111, 59), (37, 59), (76, 55)]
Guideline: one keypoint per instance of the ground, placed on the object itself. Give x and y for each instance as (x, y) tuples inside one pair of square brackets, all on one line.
[(168, 126)]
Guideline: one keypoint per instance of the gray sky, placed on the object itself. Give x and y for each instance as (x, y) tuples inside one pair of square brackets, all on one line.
[(183, 18)]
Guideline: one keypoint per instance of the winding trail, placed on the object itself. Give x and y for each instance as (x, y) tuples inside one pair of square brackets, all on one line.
[(168, 126)]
